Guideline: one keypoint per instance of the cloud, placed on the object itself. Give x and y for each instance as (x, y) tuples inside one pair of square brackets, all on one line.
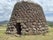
[(49, 18), (6, 7), (47, 6)]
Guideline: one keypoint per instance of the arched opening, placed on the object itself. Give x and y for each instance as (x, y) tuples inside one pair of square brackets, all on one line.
[(18, 28)]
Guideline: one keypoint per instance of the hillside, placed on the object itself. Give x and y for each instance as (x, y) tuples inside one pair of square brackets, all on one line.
[(50, 23), (6, 21), (3, 22)]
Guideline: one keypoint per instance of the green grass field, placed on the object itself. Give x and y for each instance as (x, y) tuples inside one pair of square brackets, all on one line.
[(3, 36)]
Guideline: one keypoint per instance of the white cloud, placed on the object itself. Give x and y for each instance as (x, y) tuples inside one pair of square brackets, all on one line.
[(1, 17), (46, 4), (6, 7), (49, 18)]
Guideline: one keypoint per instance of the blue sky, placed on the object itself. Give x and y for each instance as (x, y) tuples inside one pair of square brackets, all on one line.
[(6, 7)]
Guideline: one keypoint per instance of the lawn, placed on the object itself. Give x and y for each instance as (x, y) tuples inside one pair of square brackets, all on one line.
[(48, 36)]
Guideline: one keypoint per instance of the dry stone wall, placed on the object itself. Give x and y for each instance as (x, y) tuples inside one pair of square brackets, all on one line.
[(30, 16)]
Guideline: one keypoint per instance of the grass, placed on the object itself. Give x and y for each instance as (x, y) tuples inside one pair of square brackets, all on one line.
[(48, 36)]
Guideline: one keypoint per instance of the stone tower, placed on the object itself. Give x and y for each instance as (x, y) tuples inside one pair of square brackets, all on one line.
[(27, 18)]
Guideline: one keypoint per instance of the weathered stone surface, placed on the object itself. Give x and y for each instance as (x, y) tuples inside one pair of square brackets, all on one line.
[(31, 18)]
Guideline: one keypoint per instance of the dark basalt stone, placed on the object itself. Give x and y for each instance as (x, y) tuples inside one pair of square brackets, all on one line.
[(27, 18)]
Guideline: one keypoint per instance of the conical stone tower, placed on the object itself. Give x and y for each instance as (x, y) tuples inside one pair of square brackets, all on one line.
[(27, 18)]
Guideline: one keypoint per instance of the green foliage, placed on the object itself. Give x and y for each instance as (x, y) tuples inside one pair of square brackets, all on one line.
[(50, 24)]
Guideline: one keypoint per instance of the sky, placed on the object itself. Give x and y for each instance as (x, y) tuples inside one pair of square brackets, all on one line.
[(6, 7)]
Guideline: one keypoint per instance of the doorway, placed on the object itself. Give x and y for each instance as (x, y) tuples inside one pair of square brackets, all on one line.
[(18, 28)]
